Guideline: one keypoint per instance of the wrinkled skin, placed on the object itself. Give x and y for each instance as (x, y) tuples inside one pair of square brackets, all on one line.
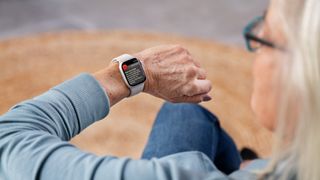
[(174, 75)]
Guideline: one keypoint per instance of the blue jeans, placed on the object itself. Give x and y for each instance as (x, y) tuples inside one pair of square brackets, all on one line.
[(190, 127)]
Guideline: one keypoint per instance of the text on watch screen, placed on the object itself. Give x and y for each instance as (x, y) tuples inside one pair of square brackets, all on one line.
[(133, 72)]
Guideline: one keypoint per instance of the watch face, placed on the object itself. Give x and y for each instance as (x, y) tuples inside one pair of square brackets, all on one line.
[(133, 72)]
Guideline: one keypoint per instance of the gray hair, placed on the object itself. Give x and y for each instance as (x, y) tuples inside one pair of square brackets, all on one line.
[(297, 138)]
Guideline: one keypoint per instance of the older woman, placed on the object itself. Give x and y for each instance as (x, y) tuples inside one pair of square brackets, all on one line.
[(186, 141)]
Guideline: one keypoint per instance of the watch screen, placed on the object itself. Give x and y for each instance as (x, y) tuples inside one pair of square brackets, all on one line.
[(133, 72)]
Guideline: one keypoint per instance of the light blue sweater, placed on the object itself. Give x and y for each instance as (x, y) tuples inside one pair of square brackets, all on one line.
[(34, 137)]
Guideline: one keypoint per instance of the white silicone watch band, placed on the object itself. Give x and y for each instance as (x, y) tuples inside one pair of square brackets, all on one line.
[(133, 89)]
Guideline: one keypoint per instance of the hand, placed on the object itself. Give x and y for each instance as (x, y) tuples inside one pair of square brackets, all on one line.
[(173, 75)]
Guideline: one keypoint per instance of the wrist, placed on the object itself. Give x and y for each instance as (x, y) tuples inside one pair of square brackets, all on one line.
[(111, 80), (144, 62)]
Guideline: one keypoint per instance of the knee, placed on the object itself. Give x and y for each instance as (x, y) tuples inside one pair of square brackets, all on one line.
[(185, 107), (190, 109)]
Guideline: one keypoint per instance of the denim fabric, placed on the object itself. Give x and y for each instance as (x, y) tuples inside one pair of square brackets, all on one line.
[(190, 127)]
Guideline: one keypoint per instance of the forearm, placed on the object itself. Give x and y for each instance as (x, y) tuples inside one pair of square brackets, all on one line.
[(63, 111), (35, 130), (112, 82)]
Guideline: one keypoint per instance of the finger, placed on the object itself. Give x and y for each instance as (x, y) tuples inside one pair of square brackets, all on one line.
[(197, 98), (206, 97), (197, 63), (202, 74), (202, 86), (196, 87)]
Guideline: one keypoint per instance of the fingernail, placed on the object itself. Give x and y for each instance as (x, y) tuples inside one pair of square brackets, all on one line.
[(206, 98)]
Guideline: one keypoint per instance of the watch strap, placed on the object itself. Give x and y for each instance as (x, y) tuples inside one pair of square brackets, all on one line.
[(134, 90)]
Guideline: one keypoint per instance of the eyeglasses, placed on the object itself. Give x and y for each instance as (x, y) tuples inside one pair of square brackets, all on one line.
[(253, 42)]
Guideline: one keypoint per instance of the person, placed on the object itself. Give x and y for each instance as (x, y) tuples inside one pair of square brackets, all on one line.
[(186, 141)]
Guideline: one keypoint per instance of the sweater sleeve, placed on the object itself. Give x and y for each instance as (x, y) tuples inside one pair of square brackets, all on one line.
[(34, 143)]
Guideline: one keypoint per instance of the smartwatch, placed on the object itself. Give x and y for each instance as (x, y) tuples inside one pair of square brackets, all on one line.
[(132, 73)]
